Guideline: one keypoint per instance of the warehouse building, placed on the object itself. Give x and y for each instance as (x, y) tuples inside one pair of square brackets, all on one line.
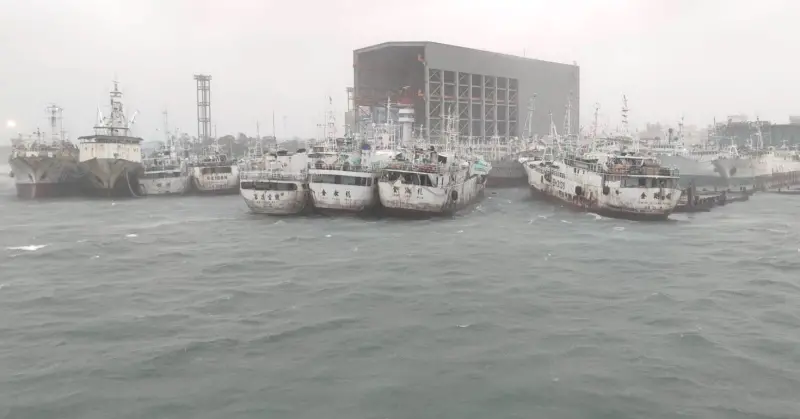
[(488, 93)]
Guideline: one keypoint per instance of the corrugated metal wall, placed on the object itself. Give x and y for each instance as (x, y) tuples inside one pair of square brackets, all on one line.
[(486, 90)]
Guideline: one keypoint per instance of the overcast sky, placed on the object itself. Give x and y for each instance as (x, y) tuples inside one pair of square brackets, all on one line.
[(697, 58)]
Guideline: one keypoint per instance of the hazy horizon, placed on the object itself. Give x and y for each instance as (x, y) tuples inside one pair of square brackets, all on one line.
[(697, 59)]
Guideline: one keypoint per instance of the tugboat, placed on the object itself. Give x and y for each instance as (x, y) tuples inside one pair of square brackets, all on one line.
[(44, 169), (111, 158)]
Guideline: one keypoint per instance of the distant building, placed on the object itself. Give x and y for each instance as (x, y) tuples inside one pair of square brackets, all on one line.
[(488, 92)]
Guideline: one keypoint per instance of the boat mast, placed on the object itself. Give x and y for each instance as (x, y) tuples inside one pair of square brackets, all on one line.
[(529, 122), (568, 117), (759, 137), (625, 114), (167, 139), (56, 123), (594, 126), (330, 126)]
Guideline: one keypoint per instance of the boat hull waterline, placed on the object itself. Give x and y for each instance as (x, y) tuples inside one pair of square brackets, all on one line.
[(177, 185), (401, 199), (276, 202), (111, 176), (593, 192), (216, 183), (44, 177)]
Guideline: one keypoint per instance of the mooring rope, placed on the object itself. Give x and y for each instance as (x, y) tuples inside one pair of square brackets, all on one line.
[(128, 180)]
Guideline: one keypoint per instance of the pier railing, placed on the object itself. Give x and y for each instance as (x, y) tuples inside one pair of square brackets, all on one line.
[(267, 176)]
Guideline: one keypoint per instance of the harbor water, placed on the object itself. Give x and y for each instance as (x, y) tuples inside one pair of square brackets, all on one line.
[(192, 307)]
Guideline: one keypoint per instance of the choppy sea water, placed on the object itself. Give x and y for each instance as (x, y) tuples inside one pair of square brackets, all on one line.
[(191, 307)]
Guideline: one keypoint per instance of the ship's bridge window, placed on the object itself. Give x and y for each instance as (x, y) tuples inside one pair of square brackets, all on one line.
[(342, 180), (274, 186), (215, 170)]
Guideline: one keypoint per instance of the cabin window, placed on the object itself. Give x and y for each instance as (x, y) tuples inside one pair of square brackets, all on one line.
[(248, 185), (643, 182), (337, 180), (272, 186)]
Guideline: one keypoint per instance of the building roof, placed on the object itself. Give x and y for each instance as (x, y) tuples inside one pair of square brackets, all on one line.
[(426, 43)]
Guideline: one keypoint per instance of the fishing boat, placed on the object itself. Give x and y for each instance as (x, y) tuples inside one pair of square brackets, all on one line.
[(348, 185), (341, 175), (281, 188), (44, 169), (111, 158), (431, 182), (165, 173), (604, 181), (695, 164), (613, 185), (213, 173)]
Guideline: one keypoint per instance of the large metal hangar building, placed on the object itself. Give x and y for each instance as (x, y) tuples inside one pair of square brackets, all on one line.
[(488, 93)]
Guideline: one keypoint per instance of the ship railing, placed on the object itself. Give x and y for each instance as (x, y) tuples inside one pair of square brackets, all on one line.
[(210, 163), (267, 175), (421, 167), (345, 167), (642, 171)]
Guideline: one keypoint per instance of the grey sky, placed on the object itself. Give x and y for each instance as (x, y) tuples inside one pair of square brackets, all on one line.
[(699, 58)]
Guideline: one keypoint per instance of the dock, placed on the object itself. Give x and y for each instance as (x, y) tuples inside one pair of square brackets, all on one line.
[(705, 201)]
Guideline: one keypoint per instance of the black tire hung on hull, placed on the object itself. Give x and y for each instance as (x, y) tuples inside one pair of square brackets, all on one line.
[(606, 190), (578, 191)]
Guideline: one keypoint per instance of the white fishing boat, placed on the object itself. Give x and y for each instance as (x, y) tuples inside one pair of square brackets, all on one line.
[(603, 181), (165, 173), (753, 164), (44, 169), (347, 185), (432, 182), (281, 188), (695, 164), (111, 158), (342, 177), (213, 172), (612, 185)]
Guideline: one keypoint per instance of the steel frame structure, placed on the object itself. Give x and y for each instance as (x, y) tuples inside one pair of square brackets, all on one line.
[(484, 105), (203, 107)]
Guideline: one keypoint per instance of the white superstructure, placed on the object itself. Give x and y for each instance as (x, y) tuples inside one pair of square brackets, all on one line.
[(281, 188), (111, 158)]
